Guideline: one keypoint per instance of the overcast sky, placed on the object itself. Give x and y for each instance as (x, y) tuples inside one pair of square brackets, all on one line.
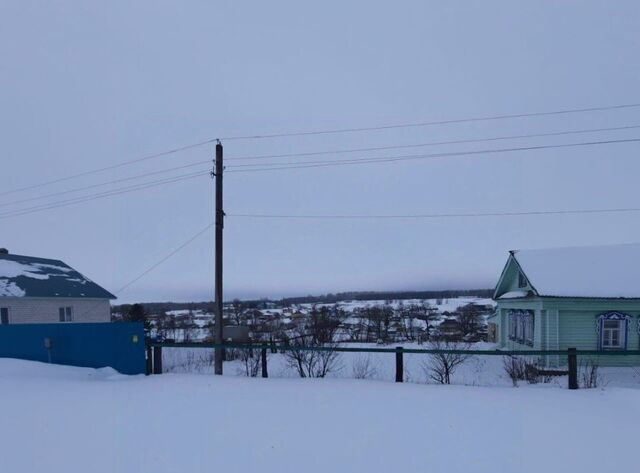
[(84, 85)]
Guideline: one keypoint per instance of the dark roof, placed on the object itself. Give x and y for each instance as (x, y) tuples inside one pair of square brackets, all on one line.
[(26, 276)]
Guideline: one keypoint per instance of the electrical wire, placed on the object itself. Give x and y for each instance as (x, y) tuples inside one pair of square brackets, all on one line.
[(432, 143), (165, 258), (102, 184), (317, 164), (78, 200), (432, 123), (136, 187), (154, 266), (108, 168), (435, 215), (321, 132)]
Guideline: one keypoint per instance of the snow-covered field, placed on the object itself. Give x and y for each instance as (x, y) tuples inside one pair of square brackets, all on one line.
[(73, 420)]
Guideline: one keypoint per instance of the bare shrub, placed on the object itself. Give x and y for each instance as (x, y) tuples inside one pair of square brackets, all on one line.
[(190, 362), (311, 363), (251, 362), (519, 368), (441, 365), (363, 367), (514, 367)]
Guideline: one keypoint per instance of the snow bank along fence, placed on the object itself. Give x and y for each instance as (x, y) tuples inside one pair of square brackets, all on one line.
[(93, 345), (570, 369)]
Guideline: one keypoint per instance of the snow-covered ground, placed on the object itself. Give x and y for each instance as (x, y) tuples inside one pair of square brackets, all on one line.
[(73, 420)]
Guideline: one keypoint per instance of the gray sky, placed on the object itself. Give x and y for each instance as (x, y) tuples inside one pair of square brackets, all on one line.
[(84, 85)]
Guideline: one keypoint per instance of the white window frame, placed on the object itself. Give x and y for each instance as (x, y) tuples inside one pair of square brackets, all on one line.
[(65, 314), (605, 334)]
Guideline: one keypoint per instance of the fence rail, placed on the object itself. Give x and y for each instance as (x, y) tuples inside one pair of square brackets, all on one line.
[(154, 354)]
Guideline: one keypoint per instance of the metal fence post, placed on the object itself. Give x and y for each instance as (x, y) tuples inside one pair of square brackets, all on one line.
[(399, 365), (157, 360), (263, 360), (573, 368)]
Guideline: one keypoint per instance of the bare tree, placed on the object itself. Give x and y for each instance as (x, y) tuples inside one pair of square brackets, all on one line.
[(312, 353), (442, 364), (470, 319), (237, 311)]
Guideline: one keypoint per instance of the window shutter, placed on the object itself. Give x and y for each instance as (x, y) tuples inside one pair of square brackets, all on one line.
[(61, 313)]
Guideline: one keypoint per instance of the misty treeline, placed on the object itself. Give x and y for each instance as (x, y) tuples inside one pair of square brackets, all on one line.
[(385, 296), (209, 307)]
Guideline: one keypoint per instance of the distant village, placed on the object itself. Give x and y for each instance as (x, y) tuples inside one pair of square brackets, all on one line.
[(363, 321)]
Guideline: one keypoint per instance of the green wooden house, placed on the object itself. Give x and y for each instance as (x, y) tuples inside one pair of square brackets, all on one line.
[(585, 297)]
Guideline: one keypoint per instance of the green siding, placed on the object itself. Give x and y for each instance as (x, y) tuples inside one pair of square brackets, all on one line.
[(570, 323)]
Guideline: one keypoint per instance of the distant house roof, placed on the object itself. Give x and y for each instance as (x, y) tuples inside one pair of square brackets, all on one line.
[(591, 271), (26, 276)]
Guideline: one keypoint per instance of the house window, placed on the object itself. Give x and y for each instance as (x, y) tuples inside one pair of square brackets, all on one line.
[(522, 280), (613, 330), (66, 314), (521, 326), (4, 316), (528, 322), (612, 334), (512, 325)]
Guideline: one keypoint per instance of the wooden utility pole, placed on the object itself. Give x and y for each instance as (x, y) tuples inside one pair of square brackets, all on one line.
[(219, 354)]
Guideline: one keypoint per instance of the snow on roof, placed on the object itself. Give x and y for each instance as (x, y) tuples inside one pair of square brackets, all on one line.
[(26, 276), (591, 271), (514, 295)]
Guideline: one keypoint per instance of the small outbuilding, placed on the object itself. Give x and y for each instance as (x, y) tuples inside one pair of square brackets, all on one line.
[(584, 297), (39, 290)]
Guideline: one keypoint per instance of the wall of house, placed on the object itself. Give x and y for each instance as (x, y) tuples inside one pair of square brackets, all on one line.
[(577, 329), (570, 323), (32, 310)]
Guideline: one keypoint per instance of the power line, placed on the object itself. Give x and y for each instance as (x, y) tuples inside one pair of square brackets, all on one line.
[(432, 123), (102, 184), (320, 132), (433, 143), (78, 200), (435, 215), (317, 164), (108, 168), (147, 185), (318, 153), (155, 265), (165, 258)]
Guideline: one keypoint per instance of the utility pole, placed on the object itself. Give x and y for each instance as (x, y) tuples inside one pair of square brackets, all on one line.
[(218, 169)]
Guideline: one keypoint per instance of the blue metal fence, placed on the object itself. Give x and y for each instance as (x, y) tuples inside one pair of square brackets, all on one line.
[(95, 345)]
